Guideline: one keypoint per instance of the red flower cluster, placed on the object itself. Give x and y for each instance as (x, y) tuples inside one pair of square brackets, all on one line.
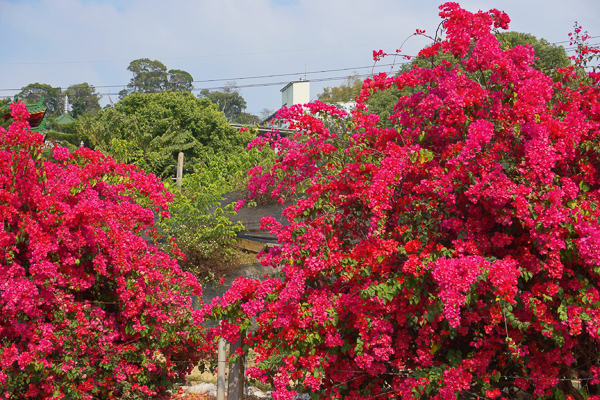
[(378, 55), (88, 308)]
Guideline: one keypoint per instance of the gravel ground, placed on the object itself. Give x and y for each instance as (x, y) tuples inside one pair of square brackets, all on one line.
[(205, 390)]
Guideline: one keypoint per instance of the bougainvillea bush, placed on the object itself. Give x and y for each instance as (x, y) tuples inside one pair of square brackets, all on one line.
[(453, 253), (89, 308)]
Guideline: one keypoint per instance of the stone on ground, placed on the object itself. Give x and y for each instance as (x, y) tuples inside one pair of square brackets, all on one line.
[(201, 388)]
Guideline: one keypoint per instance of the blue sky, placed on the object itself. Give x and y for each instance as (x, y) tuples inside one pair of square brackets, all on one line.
[(65, 42)]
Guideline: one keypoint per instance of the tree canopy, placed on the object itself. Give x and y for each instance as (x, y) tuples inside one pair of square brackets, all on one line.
[(346, 92), (150, 128), (53, 96), (151, 76), (148, 76), (5, 123), (83, 99), (158, 112), (180, 81), (231, 103), (127, 140)]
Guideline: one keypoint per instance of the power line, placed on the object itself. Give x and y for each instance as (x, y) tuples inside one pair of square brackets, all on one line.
[(569, 41), (574, 48), (247, 77), (296, 73), (280, 83), (254, 85)]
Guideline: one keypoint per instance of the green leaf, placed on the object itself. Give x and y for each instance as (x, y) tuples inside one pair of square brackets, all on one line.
[(425, 156), (562, 312)]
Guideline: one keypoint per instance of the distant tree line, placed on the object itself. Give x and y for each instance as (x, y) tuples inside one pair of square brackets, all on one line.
[(149, 76), (83, 98), (152, 77)]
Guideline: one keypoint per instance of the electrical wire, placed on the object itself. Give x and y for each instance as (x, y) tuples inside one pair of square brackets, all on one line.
[(246, 77), (296, 73), (255, 85), (333, 78), (575, 48), (569, 41)]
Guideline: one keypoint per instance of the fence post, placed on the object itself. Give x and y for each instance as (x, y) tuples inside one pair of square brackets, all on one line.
[(237, 372), (179, 170), (221, 365)]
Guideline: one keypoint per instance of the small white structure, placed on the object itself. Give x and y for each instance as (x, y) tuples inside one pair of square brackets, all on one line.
[(347, 106), (295, 93)]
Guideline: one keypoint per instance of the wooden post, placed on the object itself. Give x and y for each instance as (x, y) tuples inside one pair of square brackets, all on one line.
[(179, 170), (237, 371), (221, 365)]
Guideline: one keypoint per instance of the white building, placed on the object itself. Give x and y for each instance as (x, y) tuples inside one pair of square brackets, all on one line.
[(297, 92)]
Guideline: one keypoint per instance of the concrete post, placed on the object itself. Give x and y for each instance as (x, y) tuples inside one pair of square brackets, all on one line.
[(221, 366), (237, 371), (179, 170)]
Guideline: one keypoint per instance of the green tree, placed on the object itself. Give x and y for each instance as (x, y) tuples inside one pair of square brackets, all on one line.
[(346, 92), (229, 101), (180, 81), (161, 124), (199, 219), (247, 119), (53, 97), (158, 111), (151, 76), (5, 123), (83, 99), (148, 77), (126, 138)]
